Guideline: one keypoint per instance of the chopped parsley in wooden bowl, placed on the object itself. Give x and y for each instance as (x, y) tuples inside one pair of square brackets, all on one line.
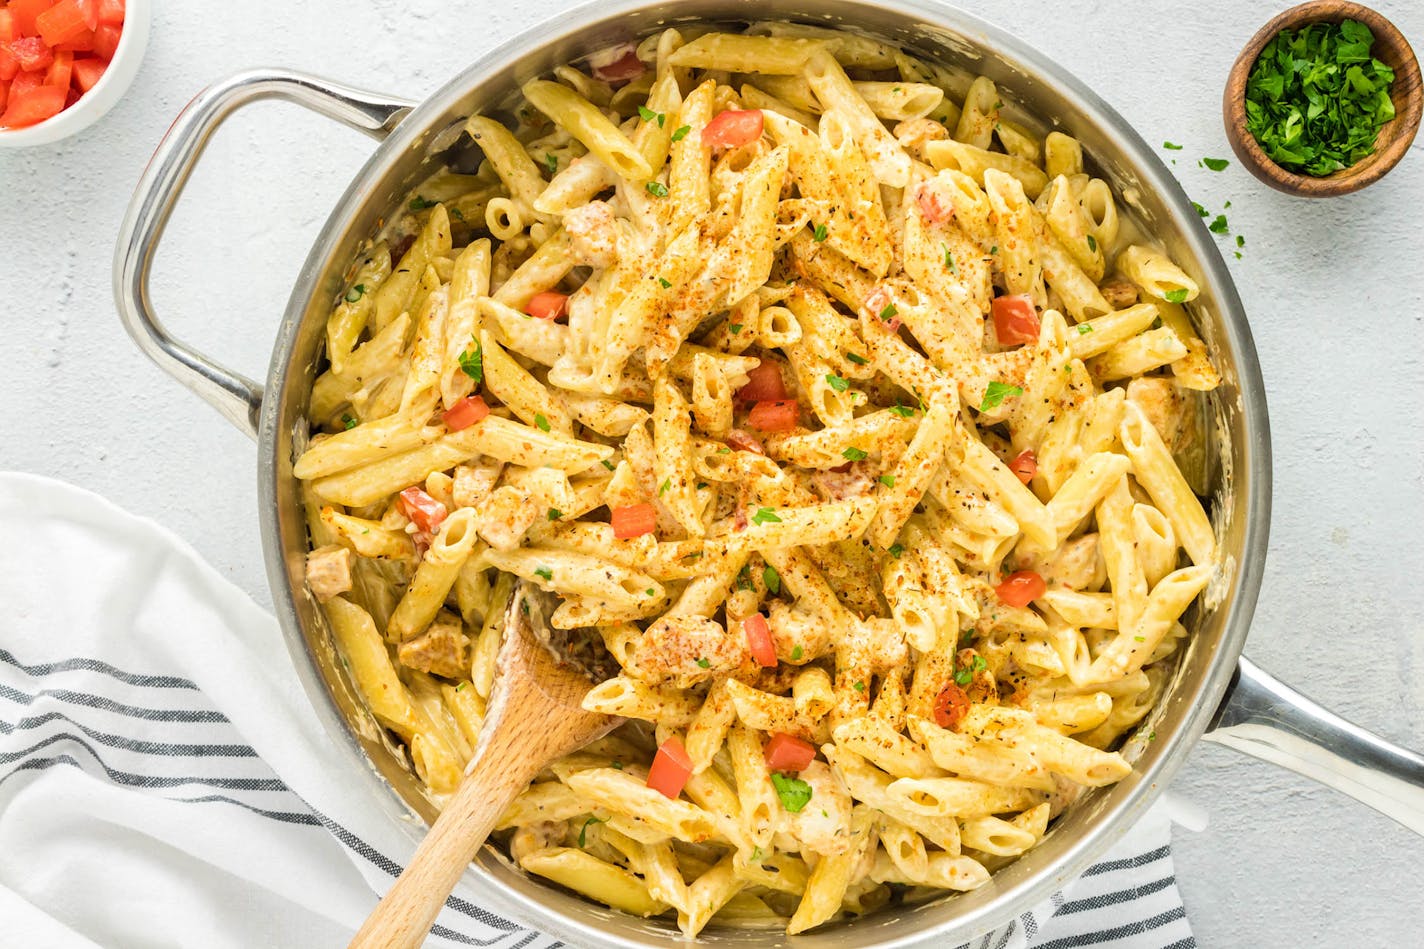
[(1324, 100)]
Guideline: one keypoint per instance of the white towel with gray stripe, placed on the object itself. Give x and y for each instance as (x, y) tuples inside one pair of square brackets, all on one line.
[(164, 782)]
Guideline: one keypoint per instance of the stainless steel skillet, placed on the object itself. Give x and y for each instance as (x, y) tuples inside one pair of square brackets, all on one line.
[(1215, 692)]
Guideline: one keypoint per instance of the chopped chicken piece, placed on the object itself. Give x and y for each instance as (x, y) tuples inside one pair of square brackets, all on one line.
[(685, 650), (442, 650), (329, 571), (504, 517), (473, 483), (1119, 293), (821, 825), (593, 234), (914, 134), (537, 836)]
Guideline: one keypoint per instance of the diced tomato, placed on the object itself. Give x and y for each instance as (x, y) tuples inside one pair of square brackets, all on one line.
[(83, 43), (465, 413), (9, 65), (741, 441), (106, 41), (670, 769), (111, 11), (8, 31), (733, 128), (26, 82), (1025, 465), (618, 65), (423, 510), (950, 706), (788, 753), (25, 13), (775, 416), (31, 53), (1021, 588), (90, 10), (4, 95), (88, 71), (30, 106), (549, 305), (934, 208), (64, 21), (633, 520), (879, 303), (59, 70), (1015, 320), (758, 635), (764, 384), (71, 96)]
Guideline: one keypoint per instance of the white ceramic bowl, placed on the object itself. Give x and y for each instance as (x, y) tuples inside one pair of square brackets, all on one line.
[(99, 100)]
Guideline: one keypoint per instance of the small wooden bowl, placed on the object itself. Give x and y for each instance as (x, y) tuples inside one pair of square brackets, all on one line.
[(1395, 136)]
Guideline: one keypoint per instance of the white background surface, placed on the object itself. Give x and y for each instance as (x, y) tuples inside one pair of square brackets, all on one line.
[(1333, 290)]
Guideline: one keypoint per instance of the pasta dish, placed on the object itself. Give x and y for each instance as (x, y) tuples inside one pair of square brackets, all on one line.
[(836, 402)]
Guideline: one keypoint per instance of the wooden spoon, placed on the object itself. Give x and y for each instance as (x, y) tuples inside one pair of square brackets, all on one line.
[(535, 715)]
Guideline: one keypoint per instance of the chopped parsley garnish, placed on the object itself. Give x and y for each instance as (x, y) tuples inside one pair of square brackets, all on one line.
[(734, 328), (796, 653), (772, 579), (349, 422), (609, 465), (963, 676), (356, 293), (1240, 240), (859, 686), (765, 515), (541, 422), (583, 831), (457, 214), (794, 793), (1201, 211), (418, 203), (681, 133), (664, 282), (1176, 296), (663, 488), (896, 550), (1172, 146), (856, 358), (544, 572), (551, 162), (994, 249), (819, 233), (887, 480), (1215, 164), (889, 312), (854, 454), (1084, 329), (704, 663), (657, 189), (472, 362), (744, 578), (1140, 639), (996, 393), (618, 765), (1218, 224), (651, 592), (1092, 244), (904, 411), (461, 686), (836, 382), (648, 115), (555, 514)]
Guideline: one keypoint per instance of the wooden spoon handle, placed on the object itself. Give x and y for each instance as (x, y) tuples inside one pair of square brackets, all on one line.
[(405, 914)]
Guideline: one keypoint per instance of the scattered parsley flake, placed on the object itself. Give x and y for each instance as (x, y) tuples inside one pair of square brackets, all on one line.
[(1215, 164), (664, 487), (648, 115), (555, 514), (887, 480), (734, 328), (1084, 329), (796, 653), (948, 258), (704, 663), (1201, 211), (819, 233), (664, 282), (836, 382), (1218, 224), (889, 312), (794, 793), (994, 249), (963, 677), (609, 465), (418, 203), (772, 579), (1092, 243), (859, 686), (544, 572), (896, 550), (583, 831), (681, 133), (349, 422), (551, 162), (1240, 240), (472, 362), (461, 686), (541, 422), (856, 358), (356, 293), (651, 592), (657, 189), (765, 515), (1176, 296), (1172, 146), (1140, 639), (854, 454), (996, 393), (904, 411)]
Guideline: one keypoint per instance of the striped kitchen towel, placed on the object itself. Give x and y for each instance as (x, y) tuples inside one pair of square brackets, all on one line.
[(163, 781)]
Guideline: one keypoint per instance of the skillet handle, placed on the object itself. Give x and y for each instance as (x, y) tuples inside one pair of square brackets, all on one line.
[(238, 398), (1267, 719)]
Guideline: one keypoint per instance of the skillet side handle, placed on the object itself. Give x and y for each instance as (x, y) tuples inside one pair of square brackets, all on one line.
[(1267, 719), (238, 398)]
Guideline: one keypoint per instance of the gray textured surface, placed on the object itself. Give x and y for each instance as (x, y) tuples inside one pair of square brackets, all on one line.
[(1333, 289)]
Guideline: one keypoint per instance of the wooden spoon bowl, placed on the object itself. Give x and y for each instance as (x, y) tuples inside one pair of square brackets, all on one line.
[(535, 716), (1395, 136)]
